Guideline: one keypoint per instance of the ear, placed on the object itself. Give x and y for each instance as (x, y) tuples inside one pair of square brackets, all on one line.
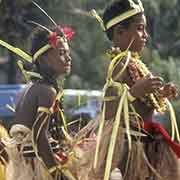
[(43, 59)]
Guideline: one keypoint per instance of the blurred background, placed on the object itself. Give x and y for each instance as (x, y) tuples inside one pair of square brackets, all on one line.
[(89, 45)]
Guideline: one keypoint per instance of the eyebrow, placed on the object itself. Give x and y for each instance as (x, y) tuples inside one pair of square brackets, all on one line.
[(64, 49), (140, 23)]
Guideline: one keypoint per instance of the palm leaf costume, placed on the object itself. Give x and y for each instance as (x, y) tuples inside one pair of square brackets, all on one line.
[(44, 113), (114, 133)]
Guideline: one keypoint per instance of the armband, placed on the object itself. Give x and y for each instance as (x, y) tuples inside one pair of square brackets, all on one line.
[(44, 109)]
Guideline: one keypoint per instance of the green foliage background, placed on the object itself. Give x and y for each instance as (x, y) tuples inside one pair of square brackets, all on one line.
[(89, 44)]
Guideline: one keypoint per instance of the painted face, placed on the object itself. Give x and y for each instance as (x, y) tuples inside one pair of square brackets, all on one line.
[(136, 34), (59, 59)]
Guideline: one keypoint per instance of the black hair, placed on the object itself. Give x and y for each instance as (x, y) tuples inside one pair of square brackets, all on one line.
[(113, 10), (39, 39)]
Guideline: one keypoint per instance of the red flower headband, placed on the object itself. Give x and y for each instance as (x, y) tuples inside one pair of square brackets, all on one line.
[(53, 37)]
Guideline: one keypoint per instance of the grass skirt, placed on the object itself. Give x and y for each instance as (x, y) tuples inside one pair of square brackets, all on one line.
[(85, 152), (3, 134), (19, 167), (147, 160)]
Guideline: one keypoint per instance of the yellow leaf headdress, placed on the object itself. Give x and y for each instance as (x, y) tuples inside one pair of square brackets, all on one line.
[(53, 39), (134, 9)]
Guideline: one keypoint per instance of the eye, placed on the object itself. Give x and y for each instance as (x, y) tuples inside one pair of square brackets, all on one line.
[(140, 27), (62, 52)]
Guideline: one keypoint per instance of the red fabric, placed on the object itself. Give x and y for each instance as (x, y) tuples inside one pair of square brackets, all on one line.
[(56, 106), (61, 157), (158, 128)]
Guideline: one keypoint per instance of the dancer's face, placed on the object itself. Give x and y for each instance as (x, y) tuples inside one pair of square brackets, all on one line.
[(59, 59), (134, 35)]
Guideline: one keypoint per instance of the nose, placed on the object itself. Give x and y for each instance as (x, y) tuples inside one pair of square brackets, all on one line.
[(68, 58), (145, 35)]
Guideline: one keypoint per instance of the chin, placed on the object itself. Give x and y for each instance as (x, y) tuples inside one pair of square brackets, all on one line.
[(67, 71), (137, 49)]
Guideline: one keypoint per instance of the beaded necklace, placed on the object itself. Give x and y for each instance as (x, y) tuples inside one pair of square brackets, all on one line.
[(137, 70)]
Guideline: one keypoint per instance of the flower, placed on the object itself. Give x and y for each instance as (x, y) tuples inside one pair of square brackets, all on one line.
[(53, 39), (69, 33), (53, 36)]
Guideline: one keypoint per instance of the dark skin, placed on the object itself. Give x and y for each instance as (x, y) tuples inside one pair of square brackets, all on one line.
[(135, 37), (43, 95)]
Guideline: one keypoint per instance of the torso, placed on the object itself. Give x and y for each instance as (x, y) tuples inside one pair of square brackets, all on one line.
[(26, 109), (145, 111)]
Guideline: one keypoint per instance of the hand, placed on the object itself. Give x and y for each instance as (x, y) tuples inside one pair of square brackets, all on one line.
[(146, 85), (169, 90)]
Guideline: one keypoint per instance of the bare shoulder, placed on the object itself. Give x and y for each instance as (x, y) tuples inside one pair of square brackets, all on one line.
[(44, 89), (46, 94)]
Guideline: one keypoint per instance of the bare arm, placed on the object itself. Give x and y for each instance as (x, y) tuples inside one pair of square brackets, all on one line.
[(45, 100), (43, 146)]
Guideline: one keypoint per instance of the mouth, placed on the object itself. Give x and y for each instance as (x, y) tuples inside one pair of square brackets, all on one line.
[(144, 42), (67, 66)]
